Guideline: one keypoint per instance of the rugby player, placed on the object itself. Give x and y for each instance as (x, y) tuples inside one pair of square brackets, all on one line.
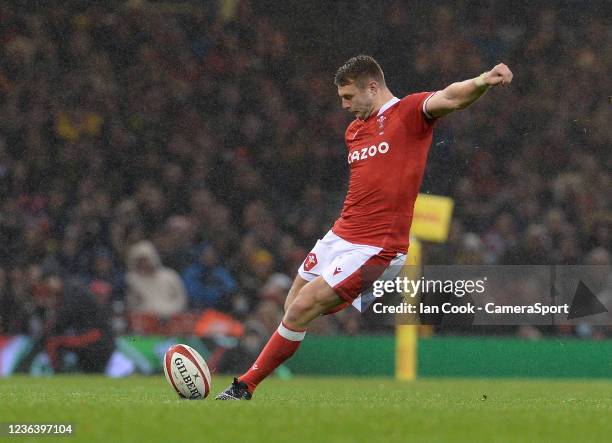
[(387, 147)]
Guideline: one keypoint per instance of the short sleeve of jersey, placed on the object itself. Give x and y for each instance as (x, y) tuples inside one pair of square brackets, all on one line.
[(412, 112)]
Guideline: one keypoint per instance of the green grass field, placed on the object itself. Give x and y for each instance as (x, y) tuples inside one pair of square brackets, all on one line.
[(144, 409)]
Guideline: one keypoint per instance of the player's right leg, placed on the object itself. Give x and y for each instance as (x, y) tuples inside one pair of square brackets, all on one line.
[(337, 272), (313, 299), (284, 341)]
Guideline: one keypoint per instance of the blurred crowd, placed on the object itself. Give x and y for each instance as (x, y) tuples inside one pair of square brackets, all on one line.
[(173, 158)]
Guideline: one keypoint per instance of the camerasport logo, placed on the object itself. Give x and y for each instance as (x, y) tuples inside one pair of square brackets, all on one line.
[(310, 262)]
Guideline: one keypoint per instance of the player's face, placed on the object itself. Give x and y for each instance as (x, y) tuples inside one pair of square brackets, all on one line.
[(358, 101)]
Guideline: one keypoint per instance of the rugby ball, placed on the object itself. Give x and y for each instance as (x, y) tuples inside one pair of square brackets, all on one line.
[(187, 372)]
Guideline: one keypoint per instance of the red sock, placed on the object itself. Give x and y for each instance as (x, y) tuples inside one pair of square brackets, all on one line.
[(283, 343)]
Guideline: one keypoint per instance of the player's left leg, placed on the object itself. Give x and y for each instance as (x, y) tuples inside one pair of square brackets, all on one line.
[(296, 287), (315, 298)]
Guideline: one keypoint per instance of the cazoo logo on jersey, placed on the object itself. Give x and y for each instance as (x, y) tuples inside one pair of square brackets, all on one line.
[(362, 154)]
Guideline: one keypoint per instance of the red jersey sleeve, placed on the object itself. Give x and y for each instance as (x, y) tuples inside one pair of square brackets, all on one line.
[(412, 112)]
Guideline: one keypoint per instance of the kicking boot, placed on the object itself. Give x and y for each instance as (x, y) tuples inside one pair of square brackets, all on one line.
[(236, 391)]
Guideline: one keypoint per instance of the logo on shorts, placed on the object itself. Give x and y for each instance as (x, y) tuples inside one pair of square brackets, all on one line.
[(338, 270), (310, 262)]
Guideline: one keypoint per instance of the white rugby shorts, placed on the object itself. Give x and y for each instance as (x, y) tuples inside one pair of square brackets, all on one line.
[(350, 269)]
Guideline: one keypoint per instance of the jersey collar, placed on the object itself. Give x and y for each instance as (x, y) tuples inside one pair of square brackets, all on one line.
[(387, 105)]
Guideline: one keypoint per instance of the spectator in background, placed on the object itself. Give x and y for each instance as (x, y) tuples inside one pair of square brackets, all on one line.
[(121, 124), (471, 251), (23, 282), (72, 321), (533, 249), (276, 288), (209, 284), (152, 288), (176, 242), (104, 276)]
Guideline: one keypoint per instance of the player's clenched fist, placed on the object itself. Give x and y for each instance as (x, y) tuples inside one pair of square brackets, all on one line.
[(499, 75)]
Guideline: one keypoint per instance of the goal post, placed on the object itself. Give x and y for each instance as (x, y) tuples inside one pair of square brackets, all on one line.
[(431, 222)]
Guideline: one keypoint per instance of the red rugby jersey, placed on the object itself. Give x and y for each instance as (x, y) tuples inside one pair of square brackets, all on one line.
[(386, 155)]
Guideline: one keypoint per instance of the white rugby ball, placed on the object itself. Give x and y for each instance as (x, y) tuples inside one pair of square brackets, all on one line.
[(187, 372)]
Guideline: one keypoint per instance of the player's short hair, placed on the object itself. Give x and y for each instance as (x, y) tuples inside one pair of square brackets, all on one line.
[(359, 69)]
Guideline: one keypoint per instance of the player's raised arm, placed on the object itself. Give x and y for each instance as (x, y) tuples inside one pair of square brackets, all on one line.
[(462, 94)]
